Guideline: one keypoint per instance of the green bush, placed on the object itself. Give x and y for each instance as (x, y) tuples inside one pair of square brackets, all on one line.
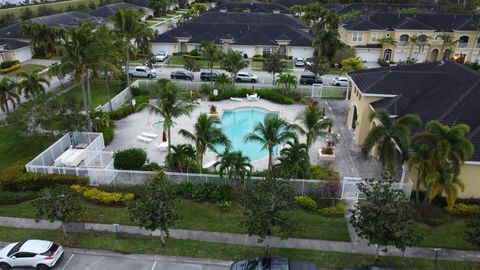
[(130, 159), (432, 215), (194, 57), (272, 94), (37, 181), (305, 202), (152, 166), (205, 89), (185, 189), (9, 197), (225, 205), (334, 211), (122, 112), (8, 64), (108, 134), (258, 59), (137, 91), (139, 100), (205, 192), (461, 209), (194, 53), (322, 173)]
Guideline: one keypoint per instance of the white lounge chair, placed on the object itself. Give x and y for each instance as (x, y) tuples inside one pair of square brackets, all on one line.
[(253, 97), (144, 139), (149, 135), (236, 99)]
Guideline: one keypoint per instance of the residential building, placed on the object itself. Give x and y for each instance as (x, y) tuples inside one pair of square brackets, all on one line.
[(379, 7), (250, 33), (251, 7), (445, 91), (11, 50), (364, 34), (108, 10)]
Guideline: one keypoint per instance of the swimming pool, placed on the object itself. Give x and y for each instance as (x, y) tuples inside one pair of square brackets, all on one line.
[(159, 125), (236, 124)]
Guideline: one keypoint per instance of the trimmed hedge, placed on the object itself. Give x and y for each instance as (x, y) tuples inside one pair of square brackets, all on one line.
[(461, 209), (272, 94), (306, 202), (122, 112), (7, 64), (9, 197), (103, 197), (10, 69), (204, 192), (194, 57), (130, 159), (336, 211)]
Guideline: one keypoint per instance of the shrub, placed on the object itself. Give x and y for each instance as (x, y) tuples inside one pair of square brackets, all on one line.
[(205, 89), (194, 53), (323, 173), (269, 94), (258, 59), (102, 197), (432, 215), (122, 112), (139, 100), (7, 64), (37, 181), (305, 202), (327, 150), (185, 190), (334, 211), (194, 57), (9, 197), (130, 159), (152, 166), (137, 91), (205, 192), (225, 205), (123, 188), (10, 69), (461, 209), (108, 134), (383, 62)]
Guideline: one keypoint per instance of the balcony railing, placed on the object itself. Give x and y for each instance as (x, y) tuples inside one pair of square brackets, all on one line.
[(463, 45)]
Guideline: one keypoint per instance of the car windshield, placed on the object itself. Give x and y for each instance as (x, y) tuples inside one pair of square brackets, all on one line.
[(15, 249), (51, 250), (161, 53), (252, 264)]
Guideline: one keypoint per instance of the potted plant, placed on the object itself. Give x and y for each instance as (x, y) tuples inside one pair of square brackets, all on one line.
[(326, 153)]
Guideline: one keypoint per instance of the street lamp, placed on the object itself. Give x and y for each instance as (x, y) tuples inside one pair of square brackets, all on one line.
[(436, 254)]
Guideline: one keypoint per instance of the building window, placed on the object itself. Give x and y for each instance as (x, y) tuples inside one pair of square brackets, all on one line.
[(357, 37), (197, 47), (374, 36), (403, 40), (463, 41), (267, 50)]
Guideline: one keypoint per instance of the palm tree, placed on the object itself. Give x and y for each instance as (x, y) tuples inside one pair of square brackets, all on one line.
[(294, 160), (127, 22), (389, 134), (223, 82), (235, 165), (212, 53), (448, 43), (206, 135), (32, 84), (449, 150), (8, 92), (181, 157), (77, 54), (41, 35), (143, 37), (422, 41), (314, 124), (413, 41), (327, 42), (169, 105), (352, 63), (233, 62), (271, 132), (287, 81), (419, 159)]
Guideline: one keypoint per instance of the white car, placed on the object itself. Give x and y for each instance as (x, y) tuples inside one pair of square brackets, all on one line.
[(142, 72), (161, 56), (340, 81), (246, 77), (38, 254), (299, 62)]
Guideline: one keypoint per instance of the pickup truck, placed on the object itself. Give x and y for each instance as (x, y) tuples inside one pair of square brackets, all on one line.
[(142, 72), (271, 263)]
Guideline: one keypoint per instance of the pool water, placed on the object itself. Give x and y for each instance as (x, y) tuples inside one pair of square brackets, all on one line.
[(236, 124), (159, 125)]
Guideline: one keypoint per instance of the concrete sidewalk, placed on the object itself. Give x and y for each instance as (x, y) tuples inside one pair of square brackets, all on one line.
[(243, 239)]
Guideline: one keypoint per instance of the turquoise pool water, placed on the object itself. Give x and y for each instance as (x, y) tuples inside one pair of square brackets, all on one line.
[(236, 124), (159, 125)]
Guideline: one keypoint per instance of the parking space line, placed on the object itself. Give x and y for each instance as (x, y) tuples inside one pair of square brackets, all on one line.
[(71, 257), (154, 263)]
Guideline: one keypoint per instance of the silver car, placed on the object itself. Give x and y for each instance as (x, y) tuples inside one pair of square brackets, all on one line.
[(246, 77), (38, 254)]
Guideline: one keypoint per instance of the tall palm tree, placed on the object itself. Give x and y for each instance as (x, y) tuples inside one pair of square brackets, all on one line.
[(271, 132), (181, 157), (32, 84), (223, 82), (287, 81), (419, 158), (143, 37), (41, 35), (212, 53), (448, 42), (127, 22), (235, 165), (413, 42), (294, 160), (8, 92), (327, 42), (449, 150), (206, 135), (389, 134), (77, 54), (169, 105), (314, 123), (422, 41), (233, 62)]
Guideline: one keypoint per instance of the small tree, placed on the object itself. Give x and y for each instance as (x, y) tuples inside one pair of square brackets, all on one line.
[(223, 82), (350, 64), (274, 64), (191, 65), (472, 235), (59, 204), (156, 209), (235, 165), (267, 206), (233, 62), (385, 218), (287, 81)]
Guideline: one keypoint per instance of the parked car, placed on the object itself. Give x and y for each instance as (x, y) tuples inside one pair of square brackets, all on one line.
[(209, 76), (38, 254), (340, 81), (181, 74), (271, 263), (161, 56), (299, 62), (246, 77), (374, 267), (310, 79), (142, 72)]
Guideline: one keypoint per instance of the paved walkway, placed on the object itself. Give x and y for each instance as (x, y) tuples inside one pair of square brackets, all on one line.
[(243, 239)]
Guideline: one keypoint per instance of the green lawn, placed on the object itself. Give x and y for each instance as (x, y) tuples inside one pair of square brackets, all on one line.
[(257, 65), (99, 95), (27, 68), (449, 235), (55, 5), (179, 61), (231, 252), (203, 217)]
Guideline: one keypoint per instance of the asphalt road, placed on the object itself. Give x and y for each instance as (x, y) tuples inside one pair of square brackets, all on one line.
[(78, 259)]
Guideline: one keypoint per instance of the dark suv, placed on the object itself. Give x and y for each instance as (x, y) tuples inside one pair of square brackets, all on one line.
[(310, 79), (209, 76), (182, 74)]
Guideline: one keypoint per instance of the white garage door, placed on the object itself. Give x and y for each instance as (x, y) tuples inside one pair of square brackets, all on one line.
[(248, 50), (368, 56), (166, 47), (23, 54), (400, 56), (302, 52)]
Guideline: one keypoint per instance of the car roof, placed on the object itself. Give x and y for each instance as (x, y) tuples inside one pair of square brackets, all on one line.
[(35, 246), (243, 73), (342, 78)]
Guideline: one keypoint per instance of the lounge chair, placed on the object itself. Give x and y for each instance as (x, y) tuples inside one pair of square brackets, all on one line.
[(144, 139), (209, 164), (236, 99), (149, 135)]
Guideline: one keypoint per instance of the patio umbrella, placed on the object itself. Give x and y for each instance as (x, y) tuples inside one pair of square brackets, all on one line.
[(164, 136)]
